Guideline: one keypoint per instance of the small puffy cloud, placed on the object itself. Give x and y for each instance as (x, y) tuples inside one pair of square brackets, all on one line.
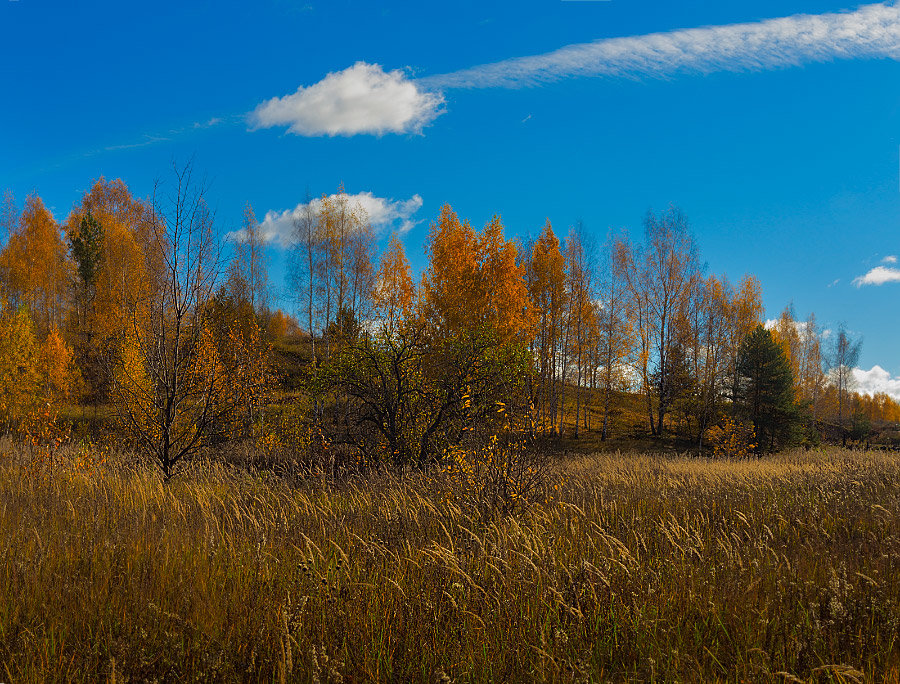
[(879, 276), (384, 214), (889, 259), (772, 324), (214, 121), (875, 380), (360, 99), (277, 227)]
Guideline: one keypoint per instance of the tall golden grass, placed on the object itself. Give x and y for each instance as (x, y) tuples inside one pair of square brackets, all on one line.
[(630, 567)]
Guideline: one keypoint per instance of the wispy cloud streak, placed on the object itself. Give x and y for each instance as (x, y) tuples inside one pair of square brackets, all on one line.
[(872, 31)]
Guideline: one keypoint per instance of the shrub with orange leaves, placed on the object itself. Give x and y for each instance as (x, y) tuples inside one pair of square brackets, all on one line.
[(61, 378), (731, 439), (496, 479)]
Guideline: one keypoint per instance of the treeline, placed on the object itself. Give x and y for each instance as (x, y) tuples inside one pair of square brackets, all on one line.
[(130, 304)]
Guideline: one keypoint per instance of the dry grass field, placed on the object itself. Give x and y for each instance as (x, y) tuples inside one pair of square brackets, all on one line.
[(623, 567)]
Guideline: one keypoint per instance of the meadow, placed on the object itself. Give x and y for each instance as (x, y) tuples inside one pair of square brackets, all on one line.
[(618, 566)]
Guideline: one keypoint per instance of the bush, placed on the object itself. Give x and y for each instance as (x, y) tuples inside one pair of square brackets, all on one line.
[(494, 480), (731, 439)]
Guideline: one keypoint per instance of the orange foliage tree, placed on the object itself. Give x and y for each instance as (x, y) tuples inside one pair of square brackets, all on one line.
[(615, 340), (394, 290), (20, 377), (546, 282), (173, 391), (119, 263), (34, 267)]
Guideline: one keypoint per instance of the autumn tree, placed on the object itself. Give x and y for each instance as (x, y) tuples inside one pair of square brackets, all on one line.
[(32, 373), (661, 274), (60, 376), (546, 282), (474, 280), (35, 269), (638, 312), (842, 359), (670, 270), (615, 339), (811, 377), (119, 267), (451, 285), (473, 293), (716, 321), (240, 319), (743, 313), (412, 397), (332, 266), (305, 268), (394, 290), (282, 325), (501, 295), (20, 377), (248, 276), (688, 359), (415, 389), (346, 270), (579, 318), (802, 344), (172, 390)]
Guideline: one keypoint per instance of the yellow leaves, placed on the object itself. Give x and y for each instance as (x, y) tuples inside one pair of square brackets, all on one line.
[(130, 259), (507, 305), (341, 245), (450, 283), (732, 439), (496, 478), (60, 374), (19, 361), (547, 277), (34, 266), (281, 325), (473, 279), (133, 391), (394, 290), (244, 373)]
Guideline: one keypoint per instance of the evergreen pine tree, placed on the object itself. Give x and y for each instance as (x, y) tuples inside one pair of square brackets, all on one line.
[(765, 391)]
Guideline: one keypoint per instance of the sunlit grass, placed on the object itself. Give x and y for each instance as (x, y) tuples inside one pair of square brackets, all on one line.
[(643, 567)]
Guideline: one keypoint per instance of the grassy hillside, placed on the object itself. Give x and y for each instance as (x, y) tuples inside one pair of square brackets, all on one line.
[(623, 566)]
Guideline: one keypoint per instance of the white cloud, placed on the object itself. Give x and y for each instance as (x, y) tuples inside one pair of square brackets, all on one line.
[(870, 31), (277, 227), (214, 121), (878, 276), (799, 326), (366, 99), (877, 379), (360, 99), (889, 259)]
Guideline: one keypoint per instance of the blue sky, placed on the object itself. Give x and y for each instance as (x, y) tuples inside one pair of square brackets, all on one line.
[(776, 128)]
